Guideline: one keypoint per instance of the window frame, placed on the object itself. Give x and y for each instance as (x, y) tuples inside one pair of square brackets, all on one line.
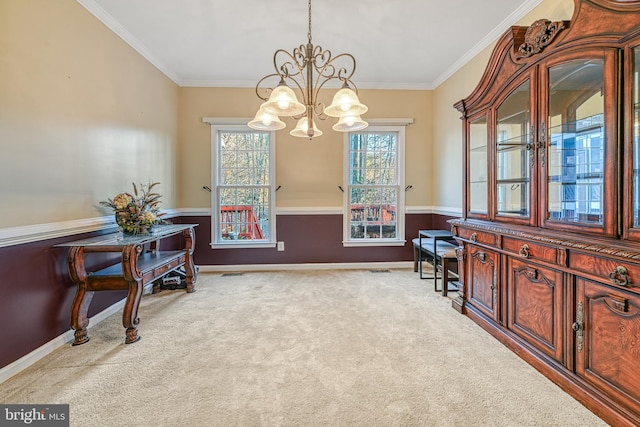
[(399, 240), (239, 125)]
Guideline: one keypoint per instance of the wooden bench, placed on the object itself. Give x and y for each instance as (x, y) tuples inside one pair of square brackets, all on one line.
[(445, 256)]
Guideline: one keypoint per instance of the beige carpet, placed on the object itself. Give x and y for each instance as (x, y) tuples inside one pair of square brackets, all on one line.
[(305, 348)]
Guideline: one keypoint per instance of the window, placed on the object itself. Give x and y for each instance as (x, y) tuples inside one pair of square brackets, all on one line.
[(243, 193), (374, 187)]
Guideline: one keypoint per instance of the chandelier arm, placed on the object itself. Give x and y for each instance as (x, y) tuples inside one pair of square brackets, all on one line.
[(342, 73), (299, 86), (266, 89), (291, 67), (284, 67)]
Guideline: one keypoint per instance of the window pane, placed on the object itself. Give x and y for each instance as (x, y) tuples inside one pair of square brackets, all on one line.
[(373, 190), (388, 177), (244, 213), (243, 185)]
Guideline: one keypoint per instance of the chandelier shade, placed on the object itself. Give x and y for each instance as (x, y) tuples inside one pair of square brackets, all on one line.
[(302, 129), (345, 103), (307, 69), (266, 121), (283, 102), (350, 124)]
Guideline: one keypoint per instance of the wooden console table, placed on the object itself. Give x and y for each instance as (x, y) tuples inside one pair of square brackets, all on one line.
[(141, 263)]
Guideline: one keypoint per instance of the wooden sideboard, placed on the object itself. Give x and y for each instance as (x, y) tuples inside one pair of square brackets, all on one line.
[(141, 262), (568, 306)]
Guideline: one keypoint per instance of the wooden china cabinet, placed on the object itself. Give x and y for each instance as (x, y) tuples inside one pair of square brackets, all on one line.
[(550, 239)]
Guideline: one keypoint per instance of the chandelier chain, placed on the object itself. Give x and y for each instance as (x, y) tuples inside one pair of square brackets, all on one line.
[(309, 33)]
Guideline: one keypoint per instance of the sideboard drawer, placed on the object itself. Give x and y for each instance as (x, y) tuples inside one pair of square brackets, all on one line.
[(477, 236), (607, 270), (529, 250)]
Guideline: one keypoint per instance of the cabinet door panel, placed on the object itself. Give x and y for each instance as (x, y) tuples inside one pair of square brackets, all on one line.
[(632, 162), (608, 340), (483, 281), (578, 141), (478, 167), (514, 161), (536, 304)]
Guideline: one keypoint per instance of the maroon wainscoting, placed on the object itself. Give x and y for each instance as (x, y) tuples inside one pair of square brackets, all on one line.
[(310, 239), (36, 292), (36, 295)]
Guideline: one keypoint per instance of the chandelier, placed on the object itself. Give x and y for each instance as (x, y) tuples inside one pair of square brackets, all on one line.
[(308, 69)]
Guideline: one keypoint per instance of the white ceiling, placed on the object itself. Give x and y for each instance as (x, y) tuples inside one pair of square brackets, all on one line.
[(398, 44)]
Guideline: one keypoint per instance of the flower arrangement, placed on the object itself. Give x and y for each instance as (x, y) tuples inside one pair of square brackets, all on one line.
[(137, 212)]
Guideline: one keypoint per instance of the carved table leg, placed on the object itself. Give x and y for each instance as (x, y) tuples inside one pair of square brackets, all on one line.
[(190, 269), (192, 274), (79, 321), (130, 318)]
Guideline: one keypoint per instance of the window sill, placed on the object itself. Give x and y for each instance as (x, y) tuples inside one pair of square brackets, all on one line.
[(242, 245), (373, 242)]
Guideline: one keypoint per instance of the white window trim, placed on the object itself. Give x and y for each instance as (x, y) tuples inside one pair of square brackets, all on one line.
[(379, 125), (239, 124)]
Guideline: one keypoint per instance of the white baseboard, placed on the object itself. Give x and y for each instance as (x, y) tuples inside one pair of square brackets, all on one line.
[(29, 359), (308, 266)]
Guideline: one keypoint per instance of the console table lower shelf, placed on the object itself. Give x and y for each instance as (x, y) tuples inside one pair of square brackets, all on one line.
[(140, 263)]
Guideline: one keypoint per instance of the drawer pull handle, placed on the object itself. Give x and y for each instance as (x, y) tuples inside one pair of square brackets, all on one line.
[(620, 276), (474, 237), (524, 251)]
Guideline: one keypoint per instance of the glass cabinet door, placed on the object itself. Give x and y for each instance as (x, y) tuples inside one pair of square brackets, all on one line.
[(513, 154), (636, 136), (576, 149), (478, 167)]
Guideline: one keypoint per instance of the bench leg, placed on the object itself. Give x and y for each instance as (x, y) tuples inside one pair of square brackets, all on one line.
[(435, 273), (445, 276), (420, 259)]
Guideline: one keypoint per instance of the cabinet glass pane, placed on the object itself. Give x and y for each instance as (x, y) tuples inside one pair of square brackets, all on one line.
[(513, 167), (576, 142), (636, 137), (478, 165)]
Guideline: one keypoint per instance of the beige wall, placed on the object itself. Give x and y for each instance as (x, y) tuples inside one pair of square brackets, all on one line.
[(82, 115), (447, 123), (308, 171)]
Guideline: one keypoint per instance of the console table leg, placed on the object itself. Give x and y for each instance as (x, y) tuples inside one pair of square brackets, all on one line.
[(130, 318), (191, 271), (191, 275), (79, 321)]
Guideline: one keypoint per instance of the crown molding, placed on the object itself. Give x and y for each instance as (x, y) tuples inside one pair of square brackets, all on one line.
[(487, 40), (108, 20)]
